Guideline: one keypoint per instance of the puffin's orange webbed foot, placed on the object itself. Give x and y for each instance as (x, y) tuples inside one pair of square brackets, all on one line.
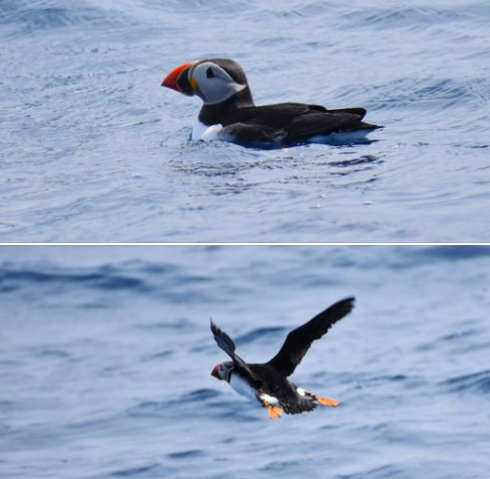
[(274, 412), (326, 401)]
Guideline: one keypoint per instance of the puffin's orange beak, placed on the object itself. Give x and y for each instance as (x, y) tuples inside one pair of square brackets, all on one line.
[(215, 372), (172, 78)]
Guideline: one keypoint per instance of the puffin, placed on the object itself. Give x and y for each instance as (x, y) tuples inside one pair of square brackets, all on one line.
[(229, 112), (267, 384)]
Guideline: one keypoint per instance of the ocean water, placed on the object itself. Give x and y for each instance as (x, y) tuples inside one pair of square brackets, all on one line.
[(92, 149), (106, 354)]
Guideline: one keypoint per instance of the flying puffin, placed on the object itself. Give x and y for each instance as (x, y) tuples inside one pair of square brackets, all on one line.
[(267, 384), (230, 113)]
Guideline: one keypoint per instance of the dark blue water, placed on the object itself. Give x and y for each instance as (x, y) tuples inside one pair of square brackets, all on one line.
[(106, 353), (93, 149)]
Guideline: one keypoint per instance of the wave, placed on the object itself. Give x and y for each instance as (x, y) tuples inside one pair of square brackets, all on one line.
[(475, 382), (28, 17), (411, 18), (136, 471), (258, 333), (452, 253), (424, 94), (163, 280), (13, 277), (186, 454)]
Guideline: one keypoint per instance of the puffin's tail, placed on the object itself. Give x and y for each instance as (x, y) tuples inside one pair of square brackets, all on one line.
[(361, 112), (367, 126)]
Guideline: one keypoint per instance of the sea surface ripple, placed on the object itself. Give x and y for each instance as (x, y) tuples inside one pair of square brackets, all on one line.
[(93, 150)]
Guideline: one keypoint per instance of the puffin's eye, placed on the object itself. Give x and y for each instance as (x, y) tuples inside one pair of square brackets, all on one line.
[(210, 73)]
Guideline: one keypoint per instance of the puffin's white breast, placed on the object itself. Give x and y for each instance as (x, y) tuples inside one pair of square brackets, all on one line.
[(206, 132), (242, 387)]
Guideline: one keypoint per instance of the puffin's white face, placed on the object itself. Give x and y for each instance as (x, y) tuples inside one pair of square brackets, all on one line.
[(212, 84), (222, 371)]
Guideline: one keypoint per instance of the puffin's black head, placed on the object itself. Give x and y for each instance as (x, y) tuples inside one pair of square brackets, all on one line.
[(222, 371), (214, 80)]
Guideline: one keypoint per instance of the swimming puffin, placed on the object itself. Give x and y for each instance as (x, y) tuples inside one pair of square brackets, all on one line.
[(231, 114), (267, 384)]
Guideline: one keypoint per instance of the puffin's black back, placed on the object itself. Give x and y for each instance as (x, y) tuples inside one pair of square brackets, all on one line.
[(278, 386)]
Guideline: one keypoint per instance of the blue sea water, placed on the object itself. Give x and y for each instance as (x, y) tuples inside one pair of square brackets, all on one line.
[(93, 149), (106, 354)]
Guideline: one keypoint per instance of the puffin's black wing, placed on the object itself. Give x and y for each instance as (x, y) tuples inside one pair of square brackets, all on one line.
[(249, 134), (317, 123), (290, 122), (361, 112), (299, 340), (228, 346), (277, 116)]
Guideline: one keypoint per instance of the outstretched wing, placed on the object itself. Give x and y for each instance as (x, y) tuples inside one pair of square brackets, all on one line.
[(299, 340), (228, 346)]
